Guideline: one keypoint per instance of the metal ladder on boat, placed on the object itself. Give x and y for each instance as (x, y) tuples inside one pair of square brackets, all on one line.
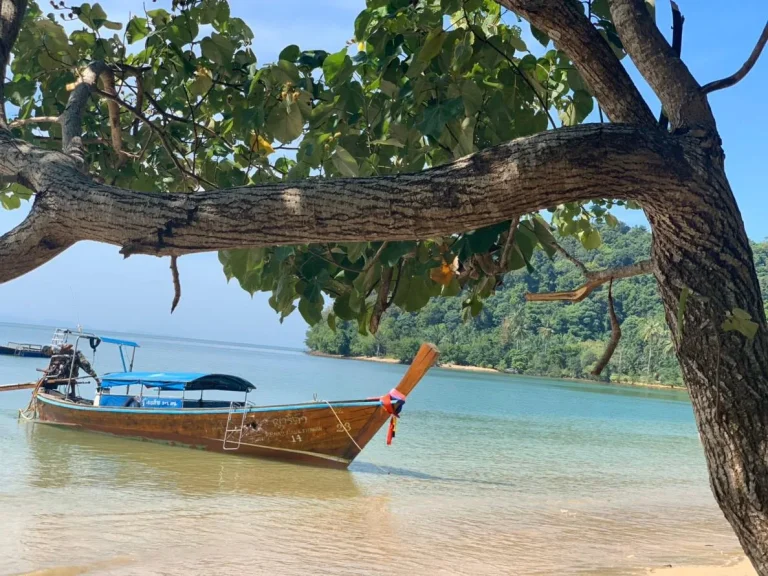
[(59, 337), (233, 434)]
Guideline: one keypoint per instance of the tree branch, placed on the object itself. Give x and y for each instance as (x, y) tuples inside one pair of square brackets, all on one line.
[(665, 72), (19, 122), (160, 133), (573, 33), (677, 47), (497, 184), (381, 300), (11, 16), (595, 279), (176, 283), (744, 70), (72, 118), (615, 335)]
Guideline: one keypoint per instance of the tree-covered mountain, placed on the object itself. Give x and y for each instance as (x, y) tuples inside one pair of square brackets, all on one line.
[(556, 339)]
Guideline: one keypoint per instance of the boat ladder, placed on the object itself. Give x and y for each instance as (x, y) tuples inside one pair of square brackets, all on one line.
[(59, 337), (233, 433)]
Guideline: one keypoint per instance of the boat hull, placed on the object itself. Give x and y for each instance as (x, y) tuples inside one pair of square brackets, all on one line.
[(21, 352), (316, 433)]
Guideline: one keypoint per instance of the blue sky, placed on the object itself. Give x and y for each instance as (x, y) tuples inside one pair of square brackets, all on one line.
[(93, 285)]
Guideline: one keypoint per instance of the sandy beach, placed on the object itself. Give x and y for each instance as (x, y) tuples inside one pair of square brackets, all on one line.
[(740, 567), (450, 366)]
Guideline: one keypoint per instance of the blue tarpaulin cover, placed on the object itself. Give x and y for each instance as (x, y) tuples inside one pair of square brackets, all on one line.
[(117, 341), (178, 381)]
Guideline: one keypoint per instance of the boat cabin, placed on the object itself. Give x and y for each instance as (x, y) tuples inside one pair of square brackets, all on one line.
[(183, 389), (150, 390)]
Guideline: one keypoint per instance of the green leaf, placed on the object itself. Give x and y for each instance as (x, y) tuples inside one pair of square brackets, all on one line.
[(331, 319), (137, 29), (740, 320), (361, 25), (540, 36), (290, 53), (591, 239), (112, 25), (432, 45), (337, 68), (285, 124), (438, 114), (345, 163), (611, 220)]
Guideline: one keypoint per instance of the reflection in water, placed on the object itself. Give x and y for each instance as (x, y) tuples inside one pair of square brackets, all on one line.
[(60, 454)]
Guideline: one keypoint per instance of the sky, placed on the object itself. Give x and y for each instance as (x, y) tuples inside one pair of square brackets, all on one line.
[(92, 285)]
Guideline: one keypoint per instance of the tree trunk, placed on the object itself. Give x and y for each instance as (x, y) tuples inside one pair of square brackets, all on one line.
[(699, 242), (650, 353)]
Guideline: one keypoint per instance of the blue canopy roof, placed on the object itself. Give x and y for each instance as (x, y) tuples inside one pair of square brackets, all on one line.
[(178, 381), (117, 341)]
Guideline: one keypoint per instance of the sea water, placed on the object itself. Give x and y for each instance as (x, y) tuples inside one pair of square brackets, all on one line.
[(488, 474)]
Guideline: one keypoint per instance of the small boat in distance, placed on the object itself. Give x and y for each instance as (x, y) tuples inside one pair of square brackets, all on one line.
[(25, 350), (157, 406)]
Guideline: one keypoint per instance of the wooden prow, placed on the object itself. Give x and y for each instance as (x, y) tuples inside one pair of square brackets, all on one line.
[(24, 386), (424, 360)]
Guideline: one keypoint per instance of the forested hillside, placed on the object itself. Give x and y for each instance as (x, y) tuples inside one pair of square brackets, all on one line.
[(548, 339)]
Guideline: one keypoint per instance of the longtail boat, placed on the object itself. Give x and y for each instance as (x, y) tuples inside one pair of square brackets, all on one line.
[(24, 350), (322, 433)]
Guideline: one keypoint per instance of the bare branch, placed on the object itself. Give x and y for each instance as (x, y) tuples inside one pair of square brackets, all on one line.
[(176, 283), (18, 123), (72, 118), (664, 71), (488, 187), (573, 33), (381, 300), (507, 250), (11, 15), (744, 70), (677, 47), (160, 133), (615, 335), (595, 279), (572, 259)]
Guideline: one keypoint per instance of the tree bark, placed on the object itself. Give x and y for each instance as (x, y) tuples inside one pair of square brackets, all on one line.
[(703, 246), (494, 185)]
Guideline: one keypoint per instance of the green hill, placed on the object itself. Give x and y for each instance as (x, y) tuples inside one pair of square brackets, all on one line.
[(546, 339)]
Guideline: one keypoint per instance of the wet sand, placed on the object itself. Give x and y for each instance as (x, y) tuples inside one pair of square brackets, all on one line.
[(741, 567)]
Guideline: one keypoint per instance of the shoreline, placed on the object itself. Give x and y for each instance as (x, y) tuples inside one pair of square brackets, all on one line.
[(481, 369)]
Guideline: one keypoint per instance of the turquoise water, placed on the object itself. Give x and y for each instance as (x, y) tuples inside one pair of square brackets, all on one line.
[(489, 474)]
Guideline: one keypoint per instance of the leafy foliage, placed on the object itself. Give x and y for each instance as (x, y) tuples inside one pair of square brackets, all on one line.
[(421, 84), (547, 339)]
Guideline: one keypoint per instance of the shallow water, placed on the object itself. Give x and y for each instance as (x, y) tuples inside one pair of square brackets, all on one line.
[(488, 474)]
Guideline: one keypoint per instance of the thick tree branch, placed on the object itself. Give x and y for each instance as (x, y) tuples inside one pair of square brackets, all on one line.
[(492, 186), (744, 70), (615, 335), (677, 47), (595, 279), (669, 77), (573, 33), (11, 15), (72, 118)]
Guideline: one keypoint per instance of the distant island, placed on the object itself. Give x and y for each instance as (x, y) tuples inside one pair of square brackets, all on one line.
[(556, 340)]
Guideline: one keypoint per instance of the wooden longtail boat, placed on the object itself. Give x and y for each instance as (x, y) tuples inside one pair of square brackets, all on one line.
[(329, 434), (24, 350)]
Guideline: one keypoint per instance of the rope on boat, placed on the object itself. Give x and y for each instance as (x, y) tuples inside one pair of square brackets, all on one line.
[(28, 413), (350, 436)]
